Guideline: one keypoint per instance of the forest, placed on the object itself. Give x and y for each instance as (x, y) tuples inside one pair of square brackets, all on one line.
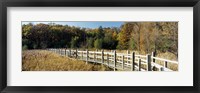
[(138, 36)]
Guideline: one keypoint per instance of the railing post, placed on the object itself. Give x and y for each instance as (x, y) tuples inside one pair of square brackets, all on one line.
[(82, 55), (148, 62), (122, 61), (133, 61), (161, 69), (77, 53), (60, 51), (65, 52), (70, 52), (153, 60), (115, 59), (127, 52), (108, 59), (165, 64), (87, 56), (127, 57), (139, 64), (102, 56), (153, 55), (94, 56)]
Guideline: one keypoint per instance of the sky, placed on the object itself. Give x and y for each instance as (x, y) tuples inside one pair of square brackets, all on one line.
[(86, 24)]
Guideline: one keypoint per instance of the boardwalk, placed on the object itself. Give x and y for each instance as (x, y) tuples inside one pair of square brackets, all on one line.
[(118, 61)]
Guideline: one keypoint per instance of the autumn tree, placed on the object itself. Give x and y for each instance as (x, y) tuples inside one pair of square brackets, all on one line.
[(144, 37), (124, 36)]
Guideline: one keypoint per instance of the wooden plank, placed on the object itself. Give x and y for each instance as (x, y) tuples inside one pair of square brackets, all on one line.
[(117, 61), (94, 55), (162, 69), (114, 60), (141, 56), (76, 54), (160, 66), (165, 64), (102, 56), (87, 56), (161, 59), (82, 55), (70, 52), (143, 60), (139, 64), (148, 62), (133, 61), (153, 55), (108, 59), (65, 52)]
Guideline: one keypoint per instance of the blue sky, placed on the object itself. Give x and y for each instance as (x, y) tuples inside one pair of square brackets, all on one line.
[(86, 24)]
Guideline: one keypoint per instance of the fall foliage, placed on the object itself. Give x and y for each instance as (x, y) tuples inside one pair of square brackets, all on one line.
[(138, 36)]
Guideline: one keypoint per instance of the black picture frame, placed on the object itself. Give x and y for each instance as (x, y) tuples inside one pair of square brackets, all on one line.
[(100, 3)]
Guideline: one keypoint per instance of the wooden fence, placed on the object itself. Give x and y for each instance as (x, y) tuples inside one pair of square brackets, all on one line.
[(118, 61)]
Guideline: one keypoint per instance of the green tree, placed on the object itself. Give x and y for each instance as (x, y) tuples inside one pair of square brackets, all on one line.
[(100, 33), (109, 41), (74, 42), (90, 42), (98, 43)]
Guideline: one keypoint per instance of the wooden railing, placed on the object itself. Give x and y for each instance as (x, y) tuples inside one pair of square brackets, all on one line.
[(118, 61)]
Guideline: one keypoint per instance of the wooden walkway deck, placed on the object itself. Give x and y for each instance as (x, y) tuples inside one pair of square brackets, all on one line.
[(118, 61)]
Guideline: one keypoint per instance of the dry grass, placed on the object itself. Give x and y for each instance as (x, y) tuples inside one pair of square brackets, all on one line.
[(169, 56), (37, 60)]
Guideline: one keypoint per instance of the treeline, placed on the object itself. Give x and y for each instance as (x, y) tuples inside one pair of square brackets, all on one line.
[(139, 36)]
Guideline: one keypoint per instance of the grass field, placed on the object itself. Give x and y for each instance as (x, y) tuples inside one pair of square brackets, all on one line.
[(37, 60)]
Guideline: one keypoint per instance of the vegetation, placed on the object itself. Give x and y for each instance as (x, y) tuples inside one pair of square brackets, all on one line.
[(37, 60), (144, 37), (140, 37)]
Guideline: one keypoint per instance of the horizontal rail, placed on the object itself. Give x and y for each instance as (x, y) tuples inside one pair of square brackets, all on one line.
[(165, 60), (116, 60)]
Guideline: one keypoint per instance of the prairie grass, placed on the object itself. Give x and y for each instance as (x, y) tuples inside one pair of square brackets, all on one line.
[(169, 56), (39, 60)]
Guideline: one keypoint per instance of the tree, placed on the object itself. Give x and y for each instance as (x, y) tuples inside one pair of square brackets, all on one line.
[(100, 32), (74, 42), (98, 43), (145, 37), (132, 43), (124, 36), (90, 42)]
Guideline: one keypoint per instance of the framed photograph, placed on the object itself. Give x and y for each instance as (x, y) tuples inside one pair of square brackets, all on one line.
[(102, 46)]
